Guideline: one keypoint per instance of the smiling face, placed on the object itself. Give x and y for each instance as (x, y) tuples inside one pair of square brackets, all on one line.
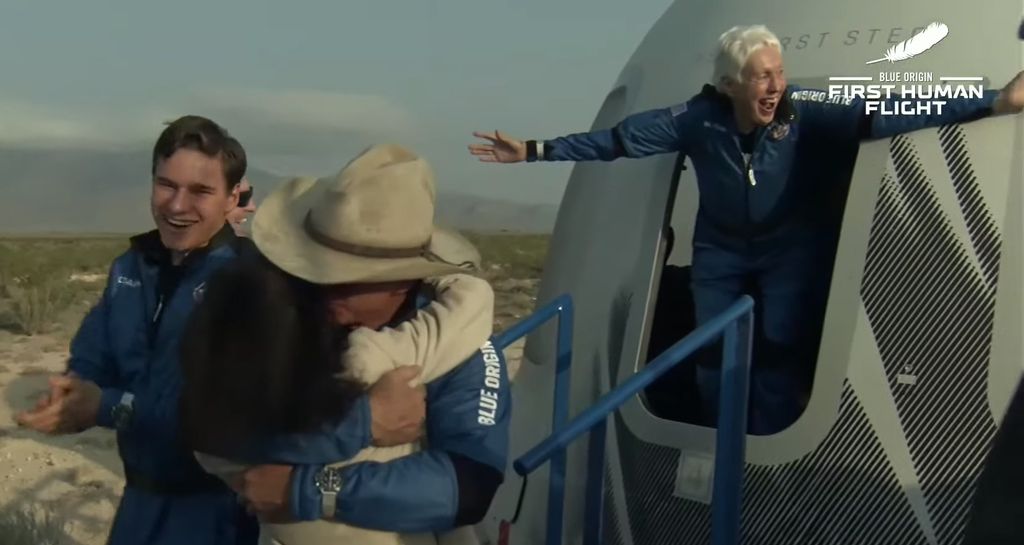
[(190, 200), (757, 96)]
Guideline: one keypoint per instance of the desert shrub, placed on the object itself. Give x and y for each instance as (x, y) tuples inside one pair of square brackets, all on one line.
[(36, 304), (24, 526), (36, 290), (515, 255)]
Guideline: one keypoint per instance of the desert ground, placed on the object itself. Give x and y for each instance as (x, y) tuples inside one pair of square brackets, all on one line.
[(63, 490)]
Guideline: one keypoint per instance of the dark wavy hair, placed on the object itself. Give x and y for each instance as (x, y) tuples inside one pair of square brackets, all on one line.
[(201, 134), (259, 356)]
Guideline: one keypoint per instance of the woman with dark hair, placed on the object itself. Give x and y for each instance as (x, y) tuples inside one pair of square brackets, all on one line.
[(260, 356)]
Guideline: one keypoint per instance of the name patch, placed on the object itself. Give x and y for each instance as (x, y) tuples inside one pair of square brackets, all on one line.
[(492, 383)]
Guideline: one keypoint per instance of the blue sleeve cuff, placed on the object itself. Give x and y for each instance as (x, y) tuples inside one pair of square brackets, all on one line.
[(304, 496), (362, 413), (330, 443), (423, 487), (108, 400), (989, 96)]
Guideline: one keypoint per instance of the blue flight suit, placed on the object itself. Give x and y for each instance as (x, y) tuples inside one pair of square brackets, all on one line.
[(759, 223), (129, 342), (448, 484)]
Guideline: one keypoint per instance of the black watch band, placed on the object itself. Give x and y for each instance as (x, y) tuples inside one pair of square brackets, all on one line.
[(535, 151)]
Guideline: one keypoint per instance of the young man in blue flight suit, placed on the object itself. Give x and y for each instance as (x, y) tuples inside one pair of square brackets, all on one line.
[(123, 372), (369, 274), (762, 151)]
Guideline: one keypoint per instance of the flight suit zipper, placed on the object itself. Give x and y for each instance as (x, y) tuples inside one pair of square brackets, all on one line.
[(169, 279), (751, 181), (746, 196), (758, 137)]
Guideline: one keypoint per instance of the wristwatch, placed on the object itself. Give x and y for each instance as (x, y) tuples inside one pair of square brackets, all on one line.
[(535, 150), (328, 482), (122, 412)]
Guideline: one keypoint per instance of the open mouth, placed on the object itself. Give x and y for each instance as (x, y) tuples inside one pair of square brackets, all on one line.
[(766, 106), (179, 225)]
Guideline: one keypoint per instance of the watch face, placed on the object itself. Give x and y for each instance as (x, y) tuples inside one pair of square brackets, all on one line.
[(328, 480), (122, 415)]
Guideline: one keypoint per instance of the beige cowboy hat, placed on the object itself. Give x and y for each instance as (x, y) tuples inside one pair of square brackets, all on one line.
[(373, 222)]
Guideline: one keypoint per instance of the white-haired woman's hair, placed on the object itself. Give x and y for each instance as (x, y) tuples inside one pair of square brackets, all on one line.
[(734, 48)]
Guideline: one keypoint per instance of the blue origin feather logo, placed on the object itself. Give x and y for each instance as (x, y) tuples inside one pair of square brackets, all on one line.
[(916, 44)]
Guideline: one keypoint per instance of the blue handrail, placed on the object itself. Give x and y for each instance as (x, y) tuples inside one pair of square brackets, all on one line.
[(736, 324), (561, 307)]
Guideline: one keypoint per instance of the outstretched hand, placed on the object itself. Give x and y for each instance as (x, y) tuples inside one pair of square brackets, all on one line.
[(501, 149), (1011, 97), (70, 406)]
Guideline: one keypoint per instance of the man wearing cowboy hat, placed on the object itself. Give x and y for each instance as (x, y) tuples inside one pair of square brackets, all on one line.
[(368, 238)]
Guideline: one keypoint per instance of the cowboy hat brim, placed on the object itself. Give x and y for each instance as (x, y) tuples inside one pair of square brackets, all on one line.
[(279, 233)]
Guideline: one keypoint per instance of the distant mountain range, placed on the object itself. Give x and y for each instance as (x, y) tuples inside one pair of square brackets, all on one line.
[(71, 191)]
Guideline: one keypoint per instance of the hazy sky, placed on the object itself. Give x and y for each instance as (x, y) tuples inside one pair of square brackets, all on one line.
[(304, 84)]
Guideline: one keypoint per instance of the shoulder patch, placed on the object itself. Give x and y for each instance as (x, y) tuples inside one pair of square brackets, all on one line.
[(491, 388), (810, 95), (778, 131), (678, 109), (130, 282)]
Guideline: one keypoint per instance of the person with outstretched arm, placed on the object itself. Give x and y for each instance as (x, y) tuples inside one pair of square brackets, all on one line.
[(763, 152)]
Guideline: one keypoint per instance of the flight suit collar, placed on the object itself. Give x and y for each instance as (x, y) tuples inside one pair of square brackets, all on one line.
[(155, 253), (785, 112)]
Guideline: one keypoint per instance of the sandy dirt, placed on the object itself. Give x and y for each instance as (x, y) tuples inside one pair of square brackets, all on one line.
[(78, 476)]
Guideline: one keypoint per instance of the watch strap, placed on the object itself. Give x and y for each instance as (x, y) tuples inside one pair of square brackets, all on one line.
[(328, 504), (122, 411), (328, 482)]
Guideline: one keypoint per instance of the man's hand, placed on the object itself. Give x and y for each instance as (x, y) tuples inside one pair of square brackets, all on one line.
[(70, 406), (397, 410), (265, 492), (501, 149), (1011, 97)]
